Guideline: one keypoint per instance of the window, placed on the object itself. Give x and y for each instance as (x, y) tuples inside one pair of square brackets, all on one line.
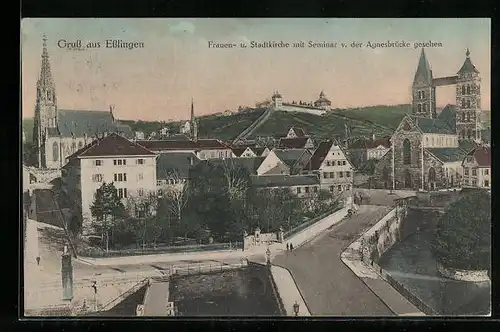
[(98, 162), (315, 189), (474, 183), (339, 187), (327, 163), (432, 140), (115, 177), (298, 190), (486, 183), (120, 193), (343, 162), (468, 89), (419, 108), (140, 161), (332, 175), (339, 163), (432, 175), (463, 89), (97, 177), (55, 151), (120, 177), (407, 152), (486, 171), (474, 172), (325, 175), (427, 140), (341, 174), (307, 190), (140, 176), (348, 174), (463, 103), (140, 192), (124, 161), (466, 171), (331, 188), (119, 162)]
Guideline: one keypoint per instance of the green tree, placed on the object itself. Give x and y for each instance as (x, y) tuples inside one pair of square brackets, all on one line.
[(142, 212), (463, 234), (106, 207)]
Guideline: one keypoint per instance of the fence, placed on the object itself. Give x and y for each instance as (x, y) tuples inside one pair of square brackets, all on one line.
[(308, 223), (99, 253), (205, 268), (127, 293)]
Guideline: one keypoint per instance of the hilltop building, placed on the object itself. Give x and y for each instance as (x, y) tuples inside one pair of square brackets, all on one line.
[(318, 107), (427, 150), (58, 133)]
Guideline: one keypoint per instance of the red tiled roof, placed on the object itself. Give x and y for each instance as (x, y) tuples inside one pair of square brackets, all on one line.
[(112, 145), (319, 155), (482, 156), (292, 143)]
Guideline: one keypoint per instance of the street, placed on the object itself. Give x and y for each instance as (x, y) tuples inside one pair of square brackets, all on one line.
[(327, 285)]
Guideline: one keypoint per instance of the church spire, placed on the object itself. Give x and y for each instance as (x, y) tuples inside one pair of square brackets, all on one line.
[(45, 79), (192, 110), (194, 123), (424, 72)]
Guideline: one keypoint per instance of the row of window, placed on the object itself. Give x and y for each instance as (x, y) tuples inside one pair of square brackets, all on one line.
[(118, 162), (474, 171), (340, 187), (439, 141), (117, 177), (466, 89), (422, 108), (473, 183), (215, 154), (466, 103), (339, 163), (307, 189), (331, 175), (421, 94), (467, 117), (123, 193)]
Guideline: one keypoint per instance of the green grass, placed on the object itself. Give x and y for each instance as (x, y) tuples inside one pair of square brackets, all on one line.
[(380, 120)]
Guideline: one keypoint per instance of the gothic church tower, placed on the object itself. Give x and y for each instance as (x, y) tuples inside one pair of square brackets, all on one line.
[(45, 108), (468, 99), (194, 123), (423, 91)]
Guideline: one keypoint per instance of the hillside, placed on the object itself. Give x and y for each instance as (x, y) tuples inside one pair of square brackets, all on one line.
[(378, 120)]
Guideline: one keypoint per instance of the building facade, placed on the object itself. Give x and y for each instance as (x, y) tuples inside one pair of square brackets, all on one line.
[(477, 168), (111, 159)]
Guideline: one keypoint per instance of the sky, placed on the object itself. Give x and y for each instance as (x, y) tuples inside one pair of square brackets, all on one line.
[(158, 81)]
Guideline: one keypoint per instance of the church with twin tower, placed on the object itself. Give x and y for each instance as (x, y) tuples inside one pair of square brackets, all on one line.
[(58, 133), (427, 148)]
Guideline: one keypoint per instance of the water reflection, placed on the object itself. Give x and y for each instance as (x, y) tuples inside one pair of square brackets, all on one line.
[(411, 263)]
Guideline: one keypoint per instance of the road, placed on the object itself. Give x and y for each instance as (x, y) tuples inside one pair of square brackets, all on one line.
[(328, 286)]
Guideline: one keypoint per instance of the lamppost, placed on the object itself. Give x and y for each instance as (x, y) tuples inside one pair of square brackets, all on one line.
[(296, 308)]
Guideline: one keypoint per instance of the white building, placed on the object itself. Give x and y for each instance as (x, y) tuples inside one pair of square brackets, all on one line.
[(330, 164), (112, 159), (203, 148), (477, 168), (284, 162)]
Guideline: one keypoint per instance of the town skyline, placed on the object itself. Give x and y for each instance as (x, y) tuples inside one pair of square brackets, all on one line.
[(158, 81)]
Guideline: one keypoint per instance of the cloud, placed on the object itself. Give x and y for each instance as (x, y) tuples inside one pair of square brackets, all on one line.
[(183, 26)]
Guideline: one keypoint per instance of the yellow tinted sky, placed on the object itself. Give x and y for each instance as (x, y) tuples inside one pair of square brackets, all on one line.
[(158, 81)]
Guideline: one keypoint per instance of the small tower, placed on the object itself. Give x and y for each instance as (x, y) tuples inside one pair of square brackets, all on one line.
[(423, 91), (45, 107), (193, 123), (277, 99), (468, 99)]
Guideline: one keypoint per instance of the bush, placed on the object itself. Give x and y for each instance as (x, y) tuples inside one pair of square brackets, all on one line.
[(463, 234)]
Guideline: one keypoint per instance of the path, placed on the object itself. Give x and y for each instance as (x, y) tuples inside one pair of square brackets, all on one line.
[(256, 124), (328, 286)]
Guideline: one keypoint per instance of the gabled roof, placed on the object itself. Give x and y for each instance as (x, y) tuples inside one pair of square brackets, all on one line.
[(79, 123), (432, 126), (293, 143), (290, 156), (424, 72), (175, 161), (238, 151), (299, 132), (284, 180), (258, 151), (320, 154), (371, 144), (467, 145), (468, 66), (250, 164), (482, 155), (447, 154), (112, 145)]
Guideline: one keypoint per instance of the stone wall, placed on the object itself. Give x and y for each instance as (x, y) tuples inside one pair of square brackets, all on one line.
[(44, 175)]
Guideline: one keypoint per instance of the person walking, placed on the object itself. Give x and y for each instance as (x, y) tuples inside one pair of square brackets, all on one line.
[(291, 247), (287, 246), (37, 260)]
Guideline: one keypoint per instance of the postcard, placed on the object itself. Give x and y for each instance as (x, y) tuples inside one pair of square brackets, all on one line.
[(256, 167)]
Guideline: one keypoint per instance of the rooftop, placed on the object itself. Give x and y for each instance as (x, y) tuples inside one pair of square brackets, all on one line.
[(448, 154), (433, 126), (112, 145), (179, 162), (482, 156), (289, 156), (293, 143)]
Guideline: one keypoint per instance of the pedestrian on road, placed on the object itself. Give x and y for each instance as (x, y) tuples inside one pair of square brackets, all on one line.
[(291, 247), (37, 260), (288, 246)]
